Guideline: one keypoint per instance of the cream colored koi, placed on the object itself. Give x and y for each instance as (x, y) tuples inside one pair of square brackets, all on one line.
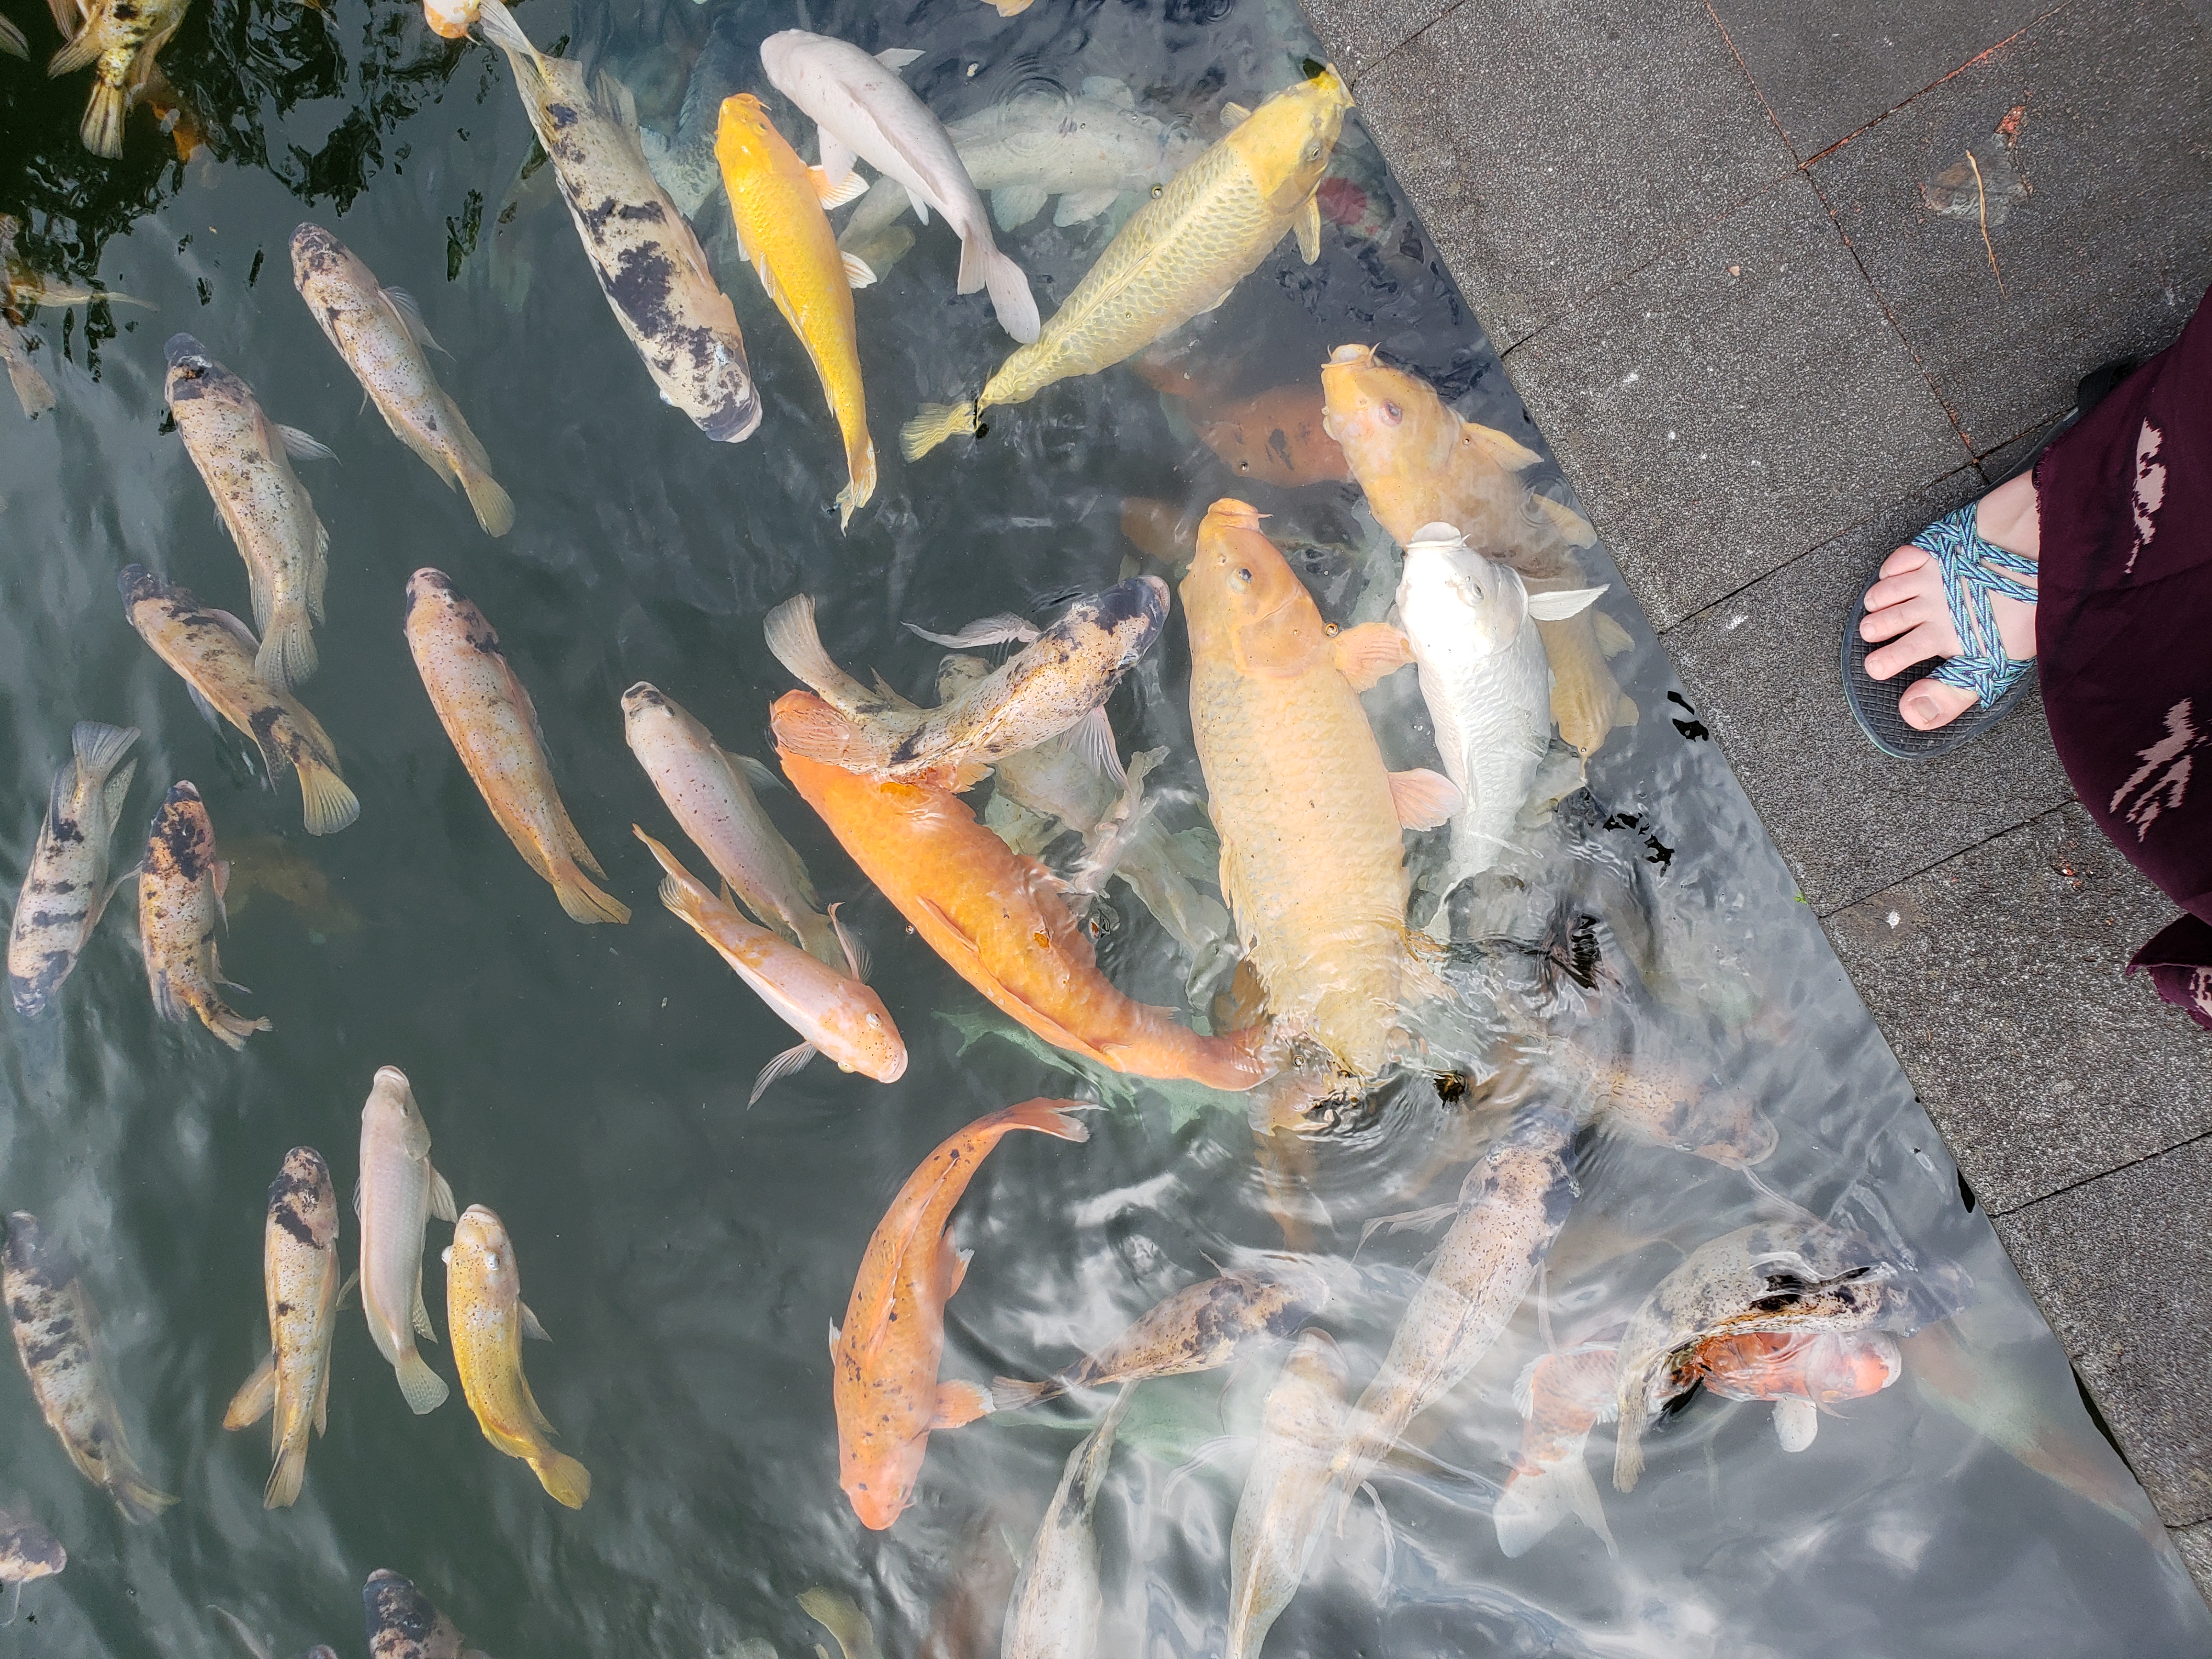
[(1180, 254), (485, 1312), (65, 887), (180, 905), (241, 456), (300, 1273), (56, 1340), (1279, 1516), (396, 1195), (1057, 1600), (834, 1013), (710, 792), (213, 654), (487, 713), (1312, 859), (382, 337)]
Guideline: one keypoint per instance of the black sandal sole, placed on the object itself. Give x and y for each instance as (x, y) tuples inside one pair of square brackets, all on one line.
[(1874, 703)]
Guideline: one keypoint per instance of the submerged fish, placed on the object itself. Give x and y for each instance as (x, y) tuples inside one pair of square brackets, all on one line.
[(1772, 1278), (241, 454), (1276, 436), (998, 920), (1418, 463), (775, 207), (396, 1195), (300, 1274), (56, 1340), (1511, 1206), (649, 265), (710, 791), (1561, 1397), (1199, 1328), (969, 1616), (120, 39), (1312, 859), (213, 654), (834, 1012), (402, 1623), (1800, 1374), (179, 904), (839, 1615), (66, 885), (1471, 623), (1057, 1602), (33, 390), (451, 20), (488, 1318), (381, 336), (1087, 147), (862, 109), (487, 713), (1665, 1102), (1180, 254), (885, 1361), (27, 1553), (1278, 1513), (1061, 677)]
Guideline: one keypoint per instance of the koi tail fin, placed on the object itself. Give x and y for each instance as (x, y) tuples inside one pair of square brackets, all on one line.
[(982, 265), (1051, 1117), (233, 1028), (285, 1480), (140, 1503), (581, 900), (861, 463), (494, 507), (562, 1475), (102, 130), (423, 1390), (330, 806), (795, 640), (256, 1396), (1532, 1505), (288, 656), (1011, 1394), (933, 424)]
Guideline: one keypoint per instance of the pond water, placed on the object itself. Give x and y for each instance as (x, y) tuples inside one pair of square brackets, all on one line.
[(589, 1084)]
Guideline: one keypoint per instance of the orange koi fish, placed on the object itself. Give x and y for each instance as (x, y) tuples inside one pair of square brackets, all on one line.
[(1275, 436), (997, 917), (885, 1360), (1800, 1374)]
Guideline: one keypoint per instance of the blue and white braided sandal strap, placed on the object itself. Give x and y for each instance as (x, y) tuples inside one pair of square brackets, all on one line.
[(1973, 570)]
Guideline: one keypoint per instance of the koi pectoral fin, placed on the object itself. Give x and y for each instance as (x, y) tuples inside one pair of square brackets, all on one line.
[(1369, 652), (959, 1404)]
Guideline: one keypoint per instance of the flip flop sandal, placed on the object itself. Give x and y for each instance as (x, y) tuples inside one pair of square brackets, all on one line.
[(1973, 570)]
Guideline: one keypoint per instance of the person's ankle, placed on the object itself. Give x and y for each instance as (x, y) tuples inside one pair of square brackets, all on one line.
[(2008, 517)]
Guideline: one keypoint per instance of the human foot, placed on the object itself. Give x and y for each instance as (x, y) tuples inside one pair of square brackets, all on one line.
[(1911, 609)]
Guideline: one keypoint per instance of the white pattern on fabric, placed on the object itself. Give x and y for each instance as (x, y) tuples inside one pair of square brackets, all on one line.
[(2149, 490), (2174, 754), (2200, 990)]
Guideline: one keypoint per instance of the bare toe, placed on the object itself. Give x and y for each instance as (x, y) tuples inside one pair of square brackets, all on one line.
[(1928, 704), (1904, 561), (1923, 641)]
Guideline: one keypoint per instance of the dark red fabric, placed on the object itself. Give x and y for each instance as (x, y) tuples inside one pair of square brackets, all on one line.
[(2123, 635)]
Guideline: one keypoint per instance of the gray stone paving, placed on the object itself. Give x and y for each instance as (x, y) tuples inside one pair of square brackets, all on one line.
[(1766, 212)]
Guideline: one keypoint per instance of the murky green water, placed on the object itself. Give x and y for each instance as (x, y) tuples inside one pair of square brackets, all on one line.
[(589, 1084)]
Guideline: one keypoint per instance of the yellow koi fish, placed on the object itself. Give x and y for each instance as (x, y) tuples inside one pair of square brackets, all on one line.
[(488, 1319), (1312, 860), (1180, 254), (776, 202)]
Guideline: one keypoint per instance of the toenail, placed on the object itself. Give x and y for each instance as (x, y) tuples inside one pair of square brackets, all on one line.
[(1924, 707)]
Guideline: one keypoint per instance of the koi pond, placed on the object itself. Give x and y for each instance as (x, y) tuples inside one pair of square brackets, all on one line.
[(1470, 1212)]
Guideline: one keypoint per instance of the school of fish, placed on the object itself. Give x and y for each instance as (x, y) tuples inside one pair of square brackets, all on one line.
[(1310, 836)]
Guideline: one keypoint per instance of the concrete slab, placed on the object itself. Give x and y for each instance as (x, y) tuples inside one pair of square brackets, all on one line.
[(2103, 255), (1761, 669), (2123, 1265), (1827, 72), (2195, 1544), (1542, 183), (1735, 403), (1359, 34), (1999, 986)]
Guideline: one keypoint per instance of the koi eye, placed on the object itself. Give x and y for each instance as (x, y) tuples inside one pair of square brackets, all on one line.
[(1158, 191), (874, 1023), (1243, 575), (1392, 413)]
